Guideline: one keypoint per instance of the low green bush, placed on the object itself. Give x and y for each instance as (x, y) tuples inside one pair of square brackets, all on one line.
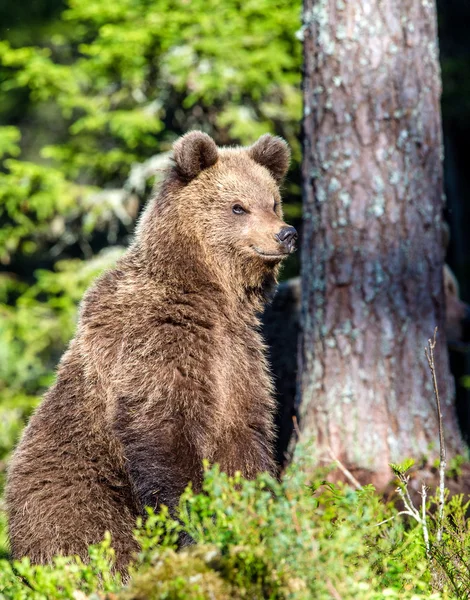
[(299, 538)]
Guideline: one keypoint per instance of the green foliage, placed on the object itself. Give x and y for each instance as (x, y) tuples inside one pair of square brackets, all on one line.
[(61, 580), (9, 138), (29, 354), (294, 539), (403, 467), (131, 76), (31, 196), (453, 554)]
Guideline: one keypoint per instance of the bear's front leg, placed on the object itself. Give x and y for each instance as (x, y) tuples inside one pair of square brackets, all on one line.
[(248, 449), (162, 455)]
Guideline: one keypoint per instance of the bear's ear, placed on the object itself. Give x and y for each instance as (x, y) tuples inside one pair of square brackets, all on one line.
[(273, 153), (193, 153)]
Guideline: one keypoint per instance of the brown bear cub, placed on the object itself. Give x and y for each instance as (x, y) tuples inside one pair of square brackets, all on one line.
[(167, 367)]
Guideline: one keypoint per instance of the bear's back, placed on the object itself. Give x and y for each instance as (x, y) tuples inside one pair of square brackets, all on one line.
[(66, 466)]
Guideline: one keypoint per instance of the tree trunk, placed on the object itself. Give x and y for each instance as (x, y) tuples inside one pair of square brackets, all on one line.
[(372, 256)]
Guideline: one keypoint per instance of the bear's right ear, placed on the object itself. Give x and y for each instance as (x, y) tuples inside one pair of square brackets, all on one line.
[(193, 153)]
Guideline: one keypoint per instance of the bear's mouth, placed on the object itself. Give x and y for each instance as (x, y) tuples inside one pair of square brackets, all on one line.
[(270, 255)]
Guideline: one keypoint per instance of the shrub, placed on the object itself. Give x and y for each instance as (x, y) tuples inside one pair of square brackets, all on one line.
[(299, 538)]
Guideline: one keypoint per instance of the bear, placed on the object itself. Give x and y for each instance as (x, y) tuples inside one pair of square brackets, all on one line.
[(168, 366)]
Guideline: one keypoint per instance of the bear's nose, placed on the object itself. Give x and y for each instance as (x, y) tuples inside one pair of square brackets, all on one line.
[(287, 237)]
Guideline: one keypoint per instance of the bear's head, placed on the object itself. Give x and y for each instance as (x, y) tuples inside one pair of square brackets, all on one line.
[(223, 206)]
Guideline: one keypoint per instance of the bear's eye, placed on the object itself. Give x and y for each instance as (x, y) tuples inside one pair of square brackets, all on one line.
[(238, 210), (276, 204)]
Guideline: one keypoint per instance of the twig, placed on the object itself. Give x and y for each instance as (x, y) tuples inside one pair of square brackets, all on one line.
[(412, 511), (331, 588), (295, 422), (405, 479), (429, 351), (424, 520), (295, 520), (410, 508), (289, 453), (402, 512), (344, 470)]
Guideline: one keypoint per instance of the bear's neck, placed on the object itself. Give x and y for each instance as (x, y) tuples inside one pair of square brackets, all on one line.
[(193, 272)]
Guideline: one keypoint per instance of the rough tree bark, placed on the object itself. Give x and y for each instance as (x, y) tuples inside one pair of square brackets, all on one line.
[(371, 252)]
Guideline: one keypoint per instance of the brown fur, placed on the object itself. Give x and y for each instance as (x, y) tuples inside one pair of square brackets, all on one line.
[(167, 367)]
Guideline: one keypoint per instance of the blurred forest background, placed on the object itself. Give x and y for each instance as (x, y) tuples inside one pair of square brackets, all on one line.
[(92, 95)]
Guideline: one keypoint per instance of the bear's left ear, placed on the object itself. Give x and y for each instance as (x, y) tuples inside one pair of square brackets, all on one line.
[(193, 153), (273, 153)]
